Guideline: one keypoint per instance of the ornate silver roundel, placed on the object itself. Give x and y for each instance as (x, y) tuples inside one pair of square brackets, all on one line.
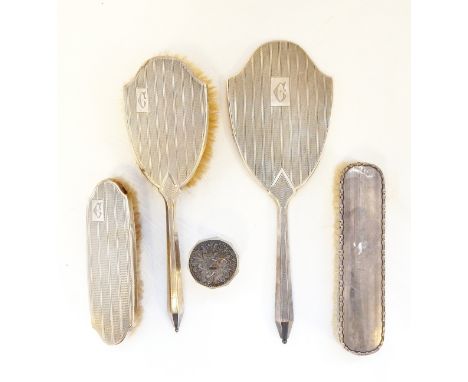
[(213, 263)]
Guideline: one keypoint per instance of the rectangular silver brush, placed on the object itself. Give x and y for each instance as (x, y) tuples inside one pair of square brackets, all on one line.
[(362, 264), (111, 257)]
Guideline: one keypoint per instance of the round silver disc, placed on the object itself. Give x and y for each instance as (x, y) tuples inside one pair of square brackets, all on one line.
[(213, 263)]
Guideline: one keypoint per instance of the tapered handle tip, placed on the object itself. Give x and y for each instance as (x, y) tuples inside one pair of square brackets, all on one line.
[(176, 318), (284, 328)]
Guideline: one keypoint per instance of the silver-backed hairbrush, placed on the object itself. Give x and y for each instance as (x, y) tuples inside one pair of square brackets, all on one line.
[(113, 281), (171, 115)]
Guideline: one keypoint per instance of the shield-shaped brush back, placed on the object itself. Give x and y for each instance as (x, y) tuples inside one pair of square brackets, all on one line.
[(167, 119), (171, 115), (279, 106)]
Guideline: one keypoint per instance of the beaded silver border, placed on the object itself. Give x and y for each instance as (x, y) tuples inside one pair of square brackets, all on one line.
[(341, 258)]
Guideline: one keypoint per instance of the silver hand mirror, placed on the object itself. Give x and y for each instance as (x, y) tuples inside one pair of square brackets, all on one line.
[(279, 107)]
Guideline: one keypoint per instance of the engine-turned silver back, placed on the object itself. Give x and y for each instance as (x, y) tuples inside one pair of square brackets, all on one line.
[(111, 257), (279, 106), (167, 120)]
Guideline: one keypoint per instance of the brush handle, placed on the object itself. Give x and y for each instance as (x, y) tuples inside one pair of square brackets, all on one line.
[(175, 296), (284, 315)]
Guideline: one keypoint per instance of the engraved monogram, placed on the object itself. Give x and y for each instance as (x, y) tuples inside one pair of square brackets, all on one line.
[(280, 91), (97, 210), (141, 100)]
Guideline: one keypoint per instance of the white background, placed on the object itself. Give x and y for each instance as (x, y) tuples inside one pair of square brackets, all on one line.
[(226, 331), (364, 46), (101, 46)]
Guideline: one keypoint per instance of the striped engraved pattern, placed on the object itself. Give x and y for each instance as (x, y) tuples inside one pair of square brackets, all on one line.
[(111, 251), (271, 137), (169, 138)]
